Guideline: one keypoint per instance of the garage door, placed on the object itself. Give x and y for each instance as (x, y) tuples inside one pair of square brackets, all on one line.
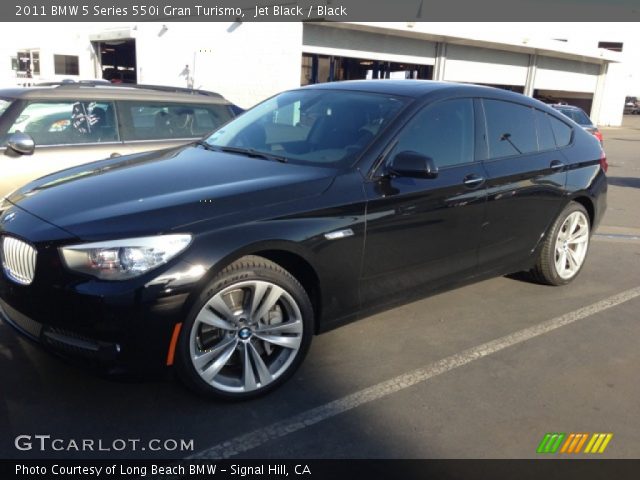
[(373, 46), (483, 65), (567, 75)]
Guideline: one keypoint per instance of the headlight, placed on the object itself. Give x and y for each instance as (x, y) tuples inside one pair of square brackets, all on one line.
[(122, 259)]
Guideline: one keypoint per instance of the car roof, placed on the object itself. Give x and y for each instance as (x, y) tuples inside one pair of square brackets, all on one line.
[(78, 91), (422, 88)]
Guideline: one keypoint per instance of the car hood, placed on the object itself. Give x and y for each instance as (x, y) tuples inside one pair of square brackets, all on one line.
[(164, 191)]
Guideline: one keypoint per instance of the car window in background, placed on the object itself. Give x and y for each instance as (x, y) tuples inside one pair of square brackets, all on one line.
[(443, 131), (511, 128), (4, 104), (69, 122), (324, 127), (156, 120), (546, 139), (576, 115), (561, 131)]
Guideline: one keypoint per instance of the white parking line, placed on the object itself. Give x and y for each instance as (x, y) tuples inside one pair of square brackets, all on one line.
[(310, 417)]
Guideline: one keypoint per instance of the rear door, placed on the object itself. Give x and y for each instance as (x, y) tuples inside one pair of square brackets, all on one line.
[(66, 133), (422, 230), (526, 179)]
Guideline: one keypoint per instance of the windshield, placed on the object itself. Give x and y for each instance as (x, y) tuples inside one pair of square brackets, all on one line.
[(320, 127), (576, 115)]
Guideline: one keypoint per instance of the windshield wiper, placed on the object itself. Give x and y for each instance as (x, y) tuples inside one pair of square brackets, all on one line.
[(206, 145), (250, 152)]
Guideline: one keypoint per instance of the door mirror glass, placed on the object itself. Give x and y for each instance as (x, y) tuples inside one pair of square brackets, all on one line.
[(21, 143), (413, 164)]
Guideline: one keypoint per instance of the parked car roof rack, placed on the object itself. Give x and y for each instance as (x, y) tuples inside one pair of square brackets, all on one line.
[(105, 83)]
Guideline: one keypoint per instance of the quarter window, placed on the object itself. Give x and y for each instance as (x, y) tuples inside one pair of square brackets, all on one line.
[(156, 121), (63, 123), (511, 129), (443, 131), (562, 132)]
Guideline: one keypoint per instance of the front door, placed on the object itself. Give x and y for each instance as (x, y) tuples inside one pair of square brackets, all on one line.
[(422, 230)]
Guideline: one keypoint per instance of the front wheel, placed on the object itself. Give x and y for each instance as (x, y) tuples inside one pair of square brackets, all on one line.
[(565, 248), (248, 332)]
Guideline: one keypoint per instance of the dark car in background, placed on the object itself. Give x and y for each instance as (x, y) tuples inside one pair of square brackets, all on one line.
[(581, 118), (320, 205), (631, 106), (58, 125)]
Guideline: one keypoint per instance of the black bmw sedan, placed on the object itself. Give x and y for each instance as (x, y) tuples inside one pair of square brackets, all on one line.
[(320, 205)]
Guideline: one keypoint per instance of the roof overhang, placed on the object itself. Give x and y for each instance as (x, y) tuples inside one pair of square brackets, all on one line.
[(437, 32)]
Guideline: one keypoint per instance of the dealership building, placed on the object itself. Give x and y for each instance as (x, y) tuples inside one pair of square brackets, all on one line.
[(250, 61)]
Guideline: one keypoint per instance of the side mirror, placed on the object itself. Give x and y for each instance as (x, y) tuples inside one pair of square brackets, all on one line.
[(21, 143), (413, 164)]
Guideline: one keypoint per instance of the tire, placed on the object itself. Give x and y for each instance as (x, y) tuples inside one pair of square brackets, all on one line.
[(565, 249), (247, 333)]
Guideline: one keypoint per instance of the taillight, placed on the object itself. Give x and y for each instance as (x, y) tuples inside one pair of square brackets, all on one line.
[(598, 135), (603, 162)]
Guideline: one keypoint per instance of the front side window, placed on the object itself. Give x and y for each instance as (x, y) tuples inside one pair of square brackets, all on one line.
[(321, 127), (159, 120), (69, 122), (511, 128), (443, 131)]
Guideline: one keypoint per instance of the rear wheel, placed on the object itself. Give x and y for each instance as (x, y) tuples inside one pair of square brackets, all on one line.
[(565, 248), (248, 332)]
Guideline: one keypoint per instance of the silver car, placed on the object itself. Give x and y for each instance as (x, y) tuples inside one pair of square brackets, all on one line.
[(46, 129)]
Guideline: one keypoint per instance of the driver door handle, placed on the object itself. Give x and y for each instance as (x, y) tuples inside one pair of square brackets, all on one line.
[(472, 180), (556, 165), (114, 155)]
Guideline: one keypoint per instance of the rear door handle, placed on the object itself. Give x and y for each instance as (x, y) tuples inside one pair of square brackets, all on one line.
[(473, 180), (556, 165), (114, 155)]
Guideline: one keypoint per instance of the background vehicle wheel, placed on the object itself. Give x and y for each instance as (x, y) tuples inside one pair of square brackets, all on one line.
[(248, 332), (565, 248)]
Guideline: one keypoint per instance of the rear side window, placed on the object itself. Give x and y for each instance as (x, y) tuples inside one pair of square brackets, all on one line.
[(158, 121), (67, 122), (546, 140), (443, 131), (511, 129), (561, 131)]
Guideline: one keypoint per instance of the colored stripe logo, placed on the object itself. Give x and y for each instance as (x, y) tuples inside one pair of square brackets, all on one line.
[(574, 442)]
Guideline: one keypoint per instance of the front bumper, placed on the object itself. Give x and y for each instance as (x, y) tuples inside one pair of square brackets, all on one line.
[(60, 340), (127, 331), (116, 326)]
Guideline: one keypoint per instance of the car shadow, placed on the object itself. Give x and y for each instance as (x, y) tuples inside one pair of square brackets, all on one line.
[(42, 394), (631, 182)]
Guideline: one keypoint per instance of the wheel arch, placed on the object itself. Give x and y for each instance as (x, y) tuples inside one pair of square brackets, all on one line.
[(303, 271), (588, 205), (288, 255)]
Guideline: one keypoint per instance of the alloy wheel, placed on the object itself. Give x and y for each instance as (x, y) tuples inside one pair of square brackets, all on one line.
[(571, 245), (246, 336)]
